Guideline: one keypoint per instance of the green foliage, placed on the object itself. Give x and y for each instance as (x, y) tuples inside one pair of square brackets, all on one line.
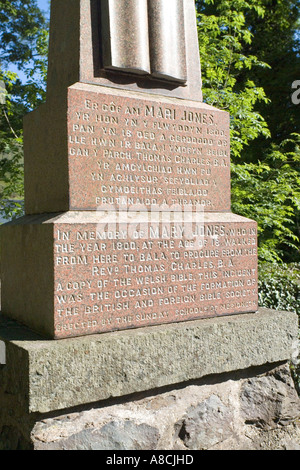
[(24, 42), (222, 37), (21, 24), (265, 182), (268, 191), (279, 286), (276, 42), (11, 157), (12, 180)]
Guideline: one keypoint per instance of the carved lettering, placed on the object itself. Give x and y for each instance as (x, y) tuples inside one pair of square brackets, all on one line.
[(106, 280), (148, 149)]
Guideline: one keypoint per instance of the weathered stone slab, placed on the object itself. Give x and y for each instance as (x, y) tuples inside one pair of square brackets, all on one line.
[(100, 272), (204, 416), (61, 374), (119, 150)]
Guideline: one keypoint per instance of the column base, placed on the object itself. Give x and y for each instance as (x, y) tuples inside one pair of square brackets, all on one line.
[(52, 386)]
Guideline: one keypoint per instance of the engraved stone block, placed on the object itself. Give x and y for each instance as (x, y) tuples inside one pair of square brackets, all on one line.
[(92, 272), (125, 150)]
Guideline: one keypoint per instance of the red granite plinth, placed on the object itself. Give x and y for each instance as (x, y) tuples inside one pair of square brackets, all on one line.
[(127, 186), (116, 150), (91, 272)]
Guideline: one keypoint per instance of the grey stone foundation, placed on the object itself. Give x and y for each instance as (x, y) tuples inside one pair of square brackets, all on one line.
[(211, 384), (254, 410)]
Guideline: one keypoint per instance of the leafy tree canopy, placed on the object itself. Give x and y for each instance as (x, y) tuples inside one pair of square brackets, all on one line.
[(236, 51), (23, 42)]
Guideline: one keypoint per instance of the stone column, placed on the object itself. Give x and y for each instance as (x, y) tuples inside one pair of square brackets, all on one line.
[(125, 36)]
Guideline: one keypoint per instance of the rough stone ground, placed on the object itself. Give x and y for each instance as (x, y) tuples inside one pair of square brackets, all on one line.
[(258, 412)]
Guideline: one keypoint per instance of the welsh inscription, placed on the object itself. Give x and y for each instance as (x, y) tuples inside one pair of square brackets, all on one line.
[(134, 153)]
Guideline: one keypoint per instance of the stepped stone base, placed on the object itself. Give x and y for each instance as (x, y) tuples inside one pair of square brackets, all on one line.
[(208, 384), (102, 280)]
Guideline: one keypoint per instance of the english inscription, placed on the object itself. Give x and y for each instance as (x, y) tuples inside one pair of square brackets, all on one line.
[(105, 281)]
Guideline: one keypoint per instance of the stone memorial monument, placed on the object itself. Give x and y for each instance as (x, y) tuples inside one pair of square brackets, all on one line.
[(123, 143), (128, 226)]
